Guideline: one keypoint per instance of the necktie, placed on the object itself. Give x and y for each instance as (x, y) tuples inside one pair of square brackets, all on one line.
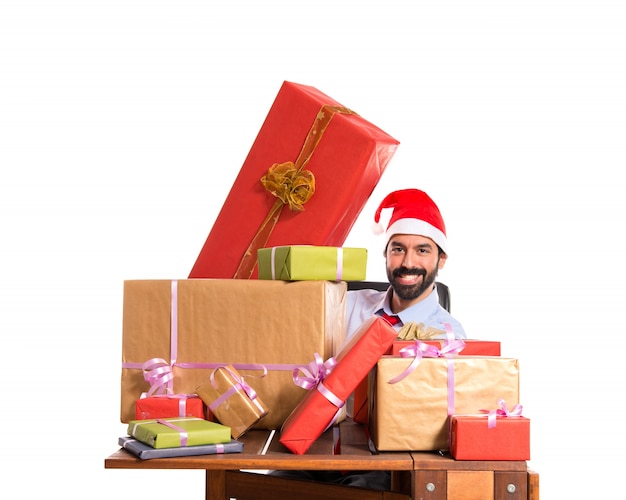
[(392, 320)]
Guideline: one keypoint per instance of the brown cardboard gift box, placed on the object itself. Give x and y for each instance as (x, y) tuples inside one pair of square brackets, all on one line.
[(412, 414), (233, 401), (197, 325)]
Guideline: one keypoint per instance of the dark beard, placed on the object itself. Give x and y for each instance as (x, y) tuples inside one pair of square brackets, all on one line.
[(410, 292)]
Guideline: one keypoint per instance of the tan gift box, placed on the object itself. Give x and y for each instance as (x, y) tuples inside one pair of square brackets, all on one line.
[(412, 414), (232, 400), (220, 322)]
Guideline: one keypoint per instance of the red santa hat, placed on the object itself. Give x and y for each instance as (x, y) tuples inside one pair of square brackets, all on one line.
[(414, 212)]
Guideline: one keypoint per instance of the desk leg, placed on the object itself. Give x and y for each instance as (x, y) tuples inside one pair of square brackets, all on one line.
[(430, 485), (215, 485)]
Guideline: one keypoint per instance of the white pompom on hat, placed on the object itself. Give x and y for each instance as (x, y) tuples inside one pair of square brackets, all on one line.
[(414, 212)]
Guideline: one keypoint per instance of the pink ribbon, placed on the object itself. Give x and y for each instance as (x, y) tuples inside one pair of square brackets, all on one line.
[(240, 384), (339, 273), (420, 350), (314, 376), (501, 411), (180, 430)]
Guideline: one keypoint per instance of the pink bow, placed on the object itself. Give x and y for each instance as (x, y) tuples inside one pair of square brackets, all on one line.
[(420, 350), (501, 411), (314, 376), (158, 373)]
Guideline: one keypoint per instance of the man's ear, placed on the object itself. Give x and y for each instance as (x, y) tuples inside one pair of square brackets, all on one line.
[(442, 260)]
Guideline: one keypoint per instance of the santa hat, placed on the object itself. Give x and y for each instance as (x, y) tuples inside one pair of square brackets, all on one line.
[(414, 212)]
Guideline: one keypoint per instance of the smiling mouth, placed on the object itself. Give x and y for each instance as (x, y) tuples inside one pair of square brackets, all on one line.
[(408, 279)]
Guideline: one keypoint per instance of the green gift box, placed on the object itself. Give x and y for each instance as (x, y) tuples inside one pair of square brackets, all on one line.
[(176, 432), (310, 262)]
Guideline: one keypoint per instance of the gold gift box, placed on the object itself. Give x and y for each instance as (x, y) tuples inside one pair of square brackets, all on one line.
[(229, 402)]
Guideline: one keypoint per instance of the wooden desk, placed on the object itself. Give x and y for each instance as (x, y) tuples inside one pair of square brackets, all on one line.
[(415, 475)]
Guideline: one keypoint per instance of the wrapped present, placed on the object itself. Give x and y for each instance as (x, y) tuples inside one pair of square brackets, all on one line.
[(409, 408), (495, 435), (169, 405), (332, 382), (307, 177), (146, 452), (176, 332), (471, 348), (232, 400), (177, 432), (308, 262)]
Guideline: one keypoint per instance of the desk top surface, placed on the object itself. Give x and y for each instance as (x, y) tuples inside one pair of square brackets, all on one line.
[(262, 450)]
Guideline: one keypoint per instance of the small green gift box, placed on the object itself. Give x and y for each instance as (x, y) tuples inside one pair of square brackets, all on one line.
[(175, 432), (310, 262)]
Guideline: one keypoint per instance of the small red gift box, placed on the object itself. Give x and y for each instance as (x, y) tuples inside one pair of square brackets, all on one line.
[(316, 411), (319, 162), (169, 406), (471, 438), (472, 348)]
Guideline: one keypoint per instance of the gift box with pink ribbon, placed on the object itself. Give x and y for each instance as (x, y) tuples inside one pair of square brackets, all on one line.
[(169, 405), (330, 384), (232, 400), (494, 434), (175, 333), (175, 432), (309, 173), (471, 347), (410, 398), (309, 262)]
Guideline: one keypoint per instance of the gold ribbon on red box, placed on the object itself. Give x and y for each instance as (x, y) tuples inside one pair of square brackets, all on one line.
[(291, 184)]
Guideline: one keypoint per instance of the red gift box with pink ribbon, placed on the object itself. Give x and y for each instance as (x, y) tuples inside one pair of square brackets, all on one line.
[(169, 405), (309, 173), (330, 384), (497, 434)]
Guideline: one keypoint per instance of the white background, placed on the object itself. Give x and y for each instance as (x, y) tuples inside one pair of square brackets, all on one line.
[(124, 123)]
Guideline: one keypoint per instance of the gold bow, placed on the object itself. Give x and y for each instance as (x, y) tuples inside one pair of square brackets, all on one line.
[(291, 186)]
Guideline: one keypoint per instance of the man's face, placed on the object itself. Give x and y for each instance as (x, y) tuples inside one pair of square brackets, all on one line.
[(412, 264)]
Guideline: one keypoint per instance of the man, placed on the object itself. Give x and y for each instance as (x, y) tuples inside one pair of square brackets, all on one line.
[(415, 251)]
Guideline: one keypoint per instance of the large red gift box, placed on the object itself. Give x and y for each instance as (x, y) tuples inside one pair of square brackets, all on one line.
[(169, 405), (316, 411), (472, 348), (472, 439), (330, 156)]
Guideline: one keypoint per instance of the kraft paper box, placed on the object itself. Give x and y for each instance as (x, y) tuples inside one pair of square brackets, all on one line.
[(472, 439), (412, 414), (345, 156), (307, 262), (146, 452), (175, 405), (316, 411), (225, 396), (472, 348), (278, 324), (175, 432)]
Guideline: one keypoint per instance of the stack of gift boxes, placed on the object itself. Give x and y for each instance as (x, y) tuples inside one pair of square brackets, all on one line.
[(255, 337)]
